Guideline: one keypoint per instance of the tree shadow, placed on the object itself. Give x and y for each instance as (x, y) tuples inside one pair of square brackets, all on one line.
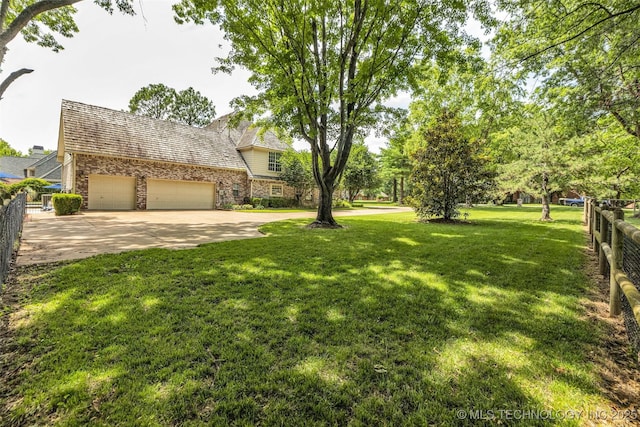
[(378, 323)]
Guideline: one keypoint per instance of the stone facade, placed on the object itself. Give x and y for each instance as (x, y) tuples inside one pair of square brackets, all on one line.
[(143, 170), (262, 188)]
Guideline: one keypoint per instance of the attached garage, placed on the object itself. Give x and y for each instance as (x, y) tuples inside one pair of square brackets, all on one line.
[(170, 194), (110, 192)]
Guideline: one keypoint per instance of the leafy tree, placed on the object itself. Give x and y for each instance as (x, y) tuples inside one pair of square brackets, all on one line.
[(154, 100), (361, 172), (539, 158), (38, 21), (447, 170), (158, 101), (587, 55), (323, 67), (192, 108), (608, 165), (7, 150), (296, 172), (395, 160)]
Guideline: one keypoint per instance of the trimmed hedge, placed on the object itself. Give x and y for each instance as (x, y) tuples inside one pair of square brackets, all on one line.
[(66, 204), (274, 202)]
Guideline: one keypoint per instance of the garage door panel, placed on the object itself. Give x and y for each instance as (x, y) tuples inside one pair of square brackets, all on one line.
[(166, 194), (111, 192)]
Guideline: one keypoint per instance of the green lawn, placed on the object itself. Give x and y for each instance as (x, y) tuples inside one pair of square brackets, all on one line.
[(385, 322)]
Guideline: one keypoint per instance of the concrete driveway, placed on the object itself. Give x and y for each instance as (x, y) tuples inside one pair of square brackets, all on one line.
[(48, 238)]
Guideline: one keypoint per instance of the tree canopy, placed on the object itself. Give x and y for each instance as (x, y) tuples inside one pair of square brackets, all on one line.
[(361, 172), (447, 168), (39, 22), (323, 68), (8, 150), (296, 172), (587, 55), (158, 101)]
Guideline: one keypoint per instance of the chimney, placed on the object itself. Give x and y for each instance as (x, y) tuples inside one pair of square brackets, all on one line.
[(37, 152)]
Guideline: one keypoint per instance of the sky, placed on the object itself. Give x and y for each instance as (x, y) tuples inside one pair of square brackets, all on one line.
[(110, 58)]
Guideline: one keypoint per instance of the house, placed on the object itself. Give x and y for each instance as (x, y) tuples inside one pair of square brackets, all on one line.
[(118, 160), (37, 165)]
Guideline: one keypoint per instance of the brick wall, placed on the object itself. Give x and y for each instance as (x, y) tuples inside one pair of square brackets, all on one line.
[(143, 170)]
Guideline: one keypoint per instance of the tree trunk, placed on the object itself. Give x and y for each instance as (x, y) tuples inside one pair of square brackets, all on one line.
[(546, 207), (394, 198), (401, 199), (324, 218)]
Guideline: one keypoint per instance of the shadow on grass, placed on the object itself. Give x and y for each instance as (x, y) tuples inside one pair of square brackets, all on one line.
[(392, 323)]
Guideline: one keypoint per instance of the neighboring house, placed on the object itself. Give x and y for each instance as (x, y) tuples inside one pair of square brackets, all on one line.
[(37, 165), (118, 160)]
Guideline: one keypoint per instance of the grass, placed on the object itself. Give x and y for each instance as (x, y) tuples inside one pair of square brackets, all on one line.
[(385, 322)]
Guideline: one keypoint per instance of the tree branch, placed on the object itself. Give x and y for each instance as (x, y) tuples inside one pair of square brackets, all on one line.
[(4, 9), (27, 14), (581, 33), (12, 77)]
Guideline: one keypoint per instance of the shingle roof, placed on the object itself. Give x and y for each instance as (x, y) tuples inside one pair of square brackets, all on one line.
[(15, 165), (102, 131), (244, 135)]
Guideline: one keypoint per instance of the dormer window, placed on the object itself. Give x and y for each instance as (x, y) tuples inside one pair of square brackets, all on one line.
[(274, 162)]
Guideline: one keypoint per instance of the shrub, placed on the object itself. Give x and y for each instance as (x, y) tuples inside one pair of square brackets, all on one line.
[(280, 202), (36, 185), (66, 204), (339, 203), (242, 207)]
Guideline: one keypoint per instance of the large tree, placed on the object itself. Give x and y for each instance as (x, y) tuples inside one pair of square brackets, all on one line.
[(538, 156), (586, 54), (158, 101), (322, 67), (38, 21)]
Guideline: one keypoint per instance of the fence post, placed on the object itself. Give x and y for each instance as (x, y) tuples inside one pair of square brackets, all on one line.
[(617, 241), (604, 235), (585, 211), (592, 224)]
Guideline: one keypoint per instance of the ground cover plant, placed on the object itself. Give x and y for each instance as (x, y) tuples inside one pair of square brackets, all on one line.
[(384, 322)]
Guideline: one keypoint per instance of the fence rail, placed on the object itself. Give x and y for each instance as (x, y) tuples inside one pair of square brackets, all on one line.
[(11, 219), (617, 244)]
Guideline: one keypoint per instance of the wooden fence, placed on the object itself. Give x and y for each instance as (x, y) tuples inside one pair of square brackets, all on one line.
[(617, 244), (11, 219)]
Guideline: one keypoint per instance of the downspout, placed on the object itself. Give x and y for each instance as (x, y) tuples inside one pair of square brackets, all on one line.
[(73, 175)]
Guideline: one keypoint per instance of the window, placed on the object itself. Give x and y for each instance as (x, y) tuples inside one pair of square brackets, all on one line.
[(236, 190), (277, 190), (274, 162)]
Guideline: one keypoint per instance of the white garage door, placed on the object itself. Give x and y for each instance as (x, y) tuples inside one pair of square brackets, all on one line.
[(110, 192), (165, 194)]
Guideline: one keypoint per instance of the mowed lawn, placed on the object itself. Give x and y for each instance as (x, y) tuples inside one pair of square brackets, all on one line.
[(386, 322)]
